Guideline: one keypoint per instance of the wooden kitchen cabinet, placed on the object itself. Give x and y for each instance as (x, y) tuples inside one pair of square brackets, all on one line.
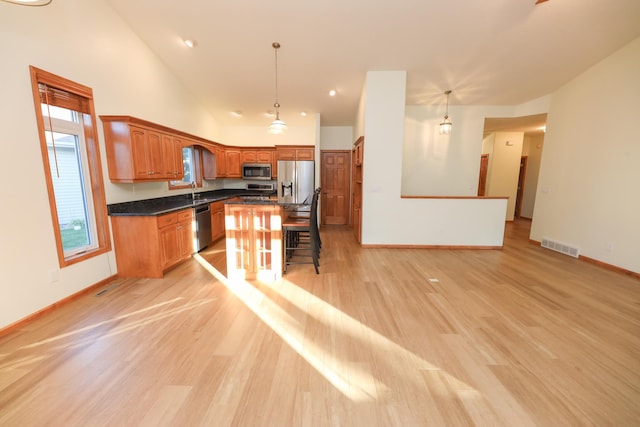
[(176, 237), (249, 156), (136, 151), (233, 163), (268, 156), (147, 246), (147, 153), (221, 162), (260, 155), (214, 163), (172, 156), (254, 241), (265, 156), (257, 155), (217, 220), (295, 152)]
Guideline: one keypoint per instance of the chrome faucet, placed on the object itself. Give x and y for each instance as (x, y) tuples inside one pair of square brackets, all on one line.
[(193, 190)]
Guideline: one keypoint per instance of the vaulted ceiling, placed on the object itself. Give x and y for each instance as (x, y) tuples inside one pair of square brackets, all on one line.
[(489, 52)]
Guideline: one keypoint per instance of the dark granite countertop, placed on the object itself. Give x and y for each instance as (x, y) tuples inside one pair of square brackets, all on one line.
[(162, 205)]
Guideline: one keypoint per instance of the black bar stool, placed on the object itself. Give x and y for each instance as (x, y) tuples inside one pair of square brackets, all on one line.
[(302, 238)]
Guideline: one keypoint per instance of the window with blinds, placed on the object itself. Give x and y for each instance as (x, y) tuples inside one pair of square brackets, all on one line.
[(70, 153)]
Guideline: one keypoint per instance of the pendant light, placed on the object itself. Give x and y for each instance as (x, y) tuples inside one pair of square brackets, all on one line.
[(30, 2), (277, 126), (445, 126)]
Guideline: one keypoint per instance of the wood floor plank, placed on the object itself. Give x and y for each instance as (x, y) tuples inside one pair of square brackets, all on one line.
[(381, 337)]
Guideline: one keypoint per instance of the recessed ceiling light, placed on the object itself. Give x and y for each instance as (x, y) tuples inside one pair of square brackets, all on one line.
[(332, 92), (237, 113), (303, 113), (190, 42), (30, 2)]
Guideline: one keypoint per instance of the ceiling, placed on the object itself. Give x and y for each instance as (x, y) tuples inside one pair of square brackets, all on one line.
[(490, 52)]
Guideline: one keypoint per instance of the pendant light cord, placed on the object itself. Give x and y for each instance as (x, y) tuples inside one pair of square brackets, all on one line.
[(276, 46)]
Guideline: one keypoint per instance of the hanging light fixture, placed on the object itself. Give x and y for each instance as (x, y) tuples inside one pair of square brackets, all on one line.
[(30, 2), (277, 126), (445, 126)]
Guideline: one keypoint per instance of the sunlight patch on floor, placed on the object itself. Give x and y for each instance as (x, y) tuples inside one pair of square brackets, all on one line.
[(97, 325), (351, 381), (395, 356)]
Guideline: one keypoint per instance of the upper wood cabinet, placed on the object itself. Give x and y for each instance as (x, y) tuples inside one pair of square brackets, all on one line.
[(249, 156), (260, 155), (138, 152), (233, 163), (214, 163), (295, 152), (265, 156), (172, 156), (257, 155)]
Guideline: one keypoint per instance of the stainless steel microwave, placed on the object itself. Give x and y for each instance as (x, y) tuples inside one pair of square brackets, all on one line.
[(256, 171)]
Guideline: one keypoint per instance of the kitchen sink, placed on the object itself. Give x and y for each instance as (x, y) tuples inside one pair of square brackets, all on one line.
[(200, 201)]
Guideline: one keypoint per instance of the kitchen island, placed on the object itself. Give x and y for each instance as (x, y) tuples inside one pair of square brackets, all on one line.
[(254, 239), (154, 235)]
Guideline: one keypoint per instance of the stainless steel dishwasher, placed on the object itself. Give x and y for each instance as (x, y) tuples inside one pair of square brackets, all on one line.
[(203, 226)]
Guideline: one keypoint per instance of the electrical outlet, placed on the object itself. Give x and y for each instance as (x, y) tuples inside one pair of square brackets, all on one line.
[(610, 247), (53, 276)]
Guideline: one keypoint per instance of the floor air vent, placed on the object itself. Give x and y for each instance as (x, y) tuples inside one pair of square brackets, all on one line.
[(561, 247)]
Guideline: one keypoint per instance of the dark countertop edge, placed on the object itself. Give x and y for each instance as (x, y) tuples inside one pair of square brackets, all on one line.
[(164, 205)]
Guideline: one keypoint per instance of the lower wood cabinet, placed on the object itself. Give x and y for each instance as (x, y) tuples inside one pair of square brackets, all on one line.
[(254, 241), (147, 246), (217, 220)]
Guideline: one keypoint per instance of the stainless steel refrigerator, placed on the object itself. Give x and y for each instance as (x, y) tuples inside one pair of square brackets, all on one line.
[(296, 181)]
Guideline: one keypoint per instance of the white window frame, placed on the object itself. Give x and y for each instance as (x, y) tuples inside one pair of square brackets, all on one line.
[(75, 129)]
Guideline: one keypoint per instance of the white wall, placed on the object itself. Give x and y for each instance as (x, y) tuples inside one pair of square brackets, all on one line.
[(88, 43), (383, 130), (336, 138), (532, 148), (448, 165), (245, 136), (589, 185), (387, 219), (504, 168), (487, 148)]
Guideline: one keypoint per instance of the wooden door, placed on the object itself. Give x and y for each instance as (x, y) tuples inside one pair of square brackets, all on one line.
[(335, 170), (482, 179)]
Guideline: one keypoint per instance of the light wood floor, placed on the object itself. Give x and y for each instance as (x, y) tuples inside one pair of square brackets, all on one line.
[(518, 337)]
